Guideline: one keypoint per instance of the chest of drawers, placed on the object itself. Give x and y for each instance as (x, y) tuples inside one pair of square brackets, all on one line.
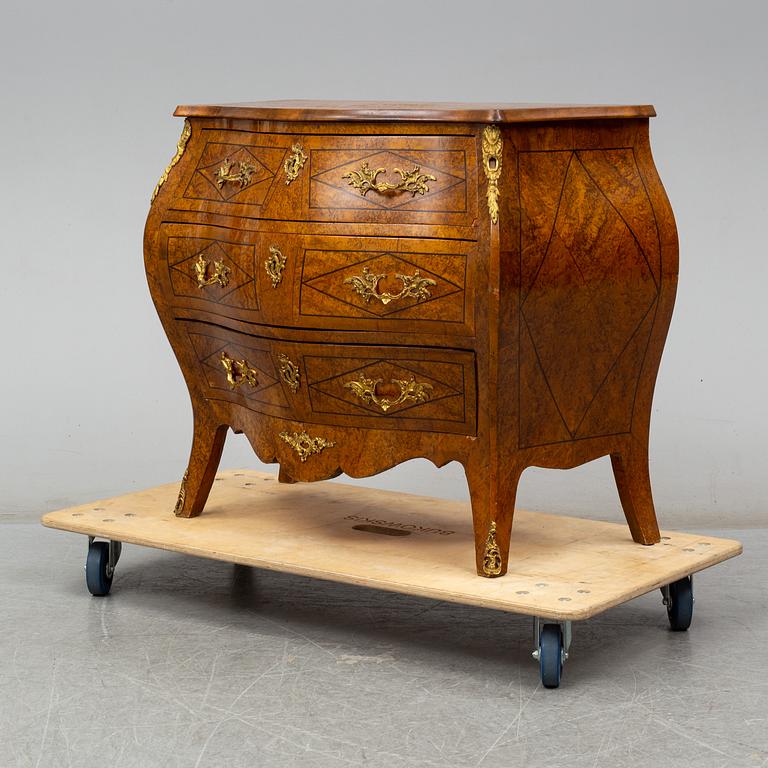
[(354, 285)]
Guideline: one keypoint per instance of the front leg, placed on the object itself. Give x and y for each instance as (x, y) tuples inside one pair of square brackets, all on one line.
[(492, 492), (207, 445)]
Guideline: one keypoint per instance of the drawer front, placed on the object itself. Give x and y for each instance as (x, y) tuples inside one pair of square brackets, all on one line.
[(396, 285), (397, 179), (311, 281), (364, 179), (217, 270), (239, 368), (343, 385), (237, 172), (392, 387)]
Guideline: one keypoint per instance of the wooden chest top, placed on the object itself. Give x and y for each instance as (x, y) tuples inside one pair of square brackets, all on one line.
[(368, 111)]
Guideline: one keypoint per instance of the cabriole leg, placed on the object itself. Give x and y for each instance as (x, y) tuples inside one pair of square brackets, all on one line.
[(207, 445), (493, 508), (633, 480)]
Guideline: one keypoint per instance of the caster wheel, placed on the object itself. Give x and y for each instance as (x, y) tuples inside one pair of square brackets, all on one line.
[(680, 604), (98, 574), (551, 655)]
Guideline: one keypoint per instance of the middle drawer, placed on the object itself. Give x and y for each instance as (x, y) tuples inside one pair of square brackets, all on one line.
[(320, 281)]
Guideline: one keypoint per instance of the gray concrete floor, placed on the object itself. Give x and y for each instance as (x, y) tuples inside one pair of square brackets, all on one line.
[(197, 663)]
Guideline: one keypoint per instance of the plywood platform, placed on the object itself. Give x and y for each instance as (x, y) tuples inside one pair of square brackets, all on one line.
[(560, 568)]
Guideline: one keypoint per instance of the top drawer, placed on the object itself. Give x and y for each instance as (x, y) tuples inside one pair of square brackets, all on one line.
[(366, 179)]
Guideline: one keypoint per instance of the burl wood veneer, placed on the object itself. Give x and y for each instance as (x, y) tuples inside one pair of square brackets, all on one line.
[(353, 285)]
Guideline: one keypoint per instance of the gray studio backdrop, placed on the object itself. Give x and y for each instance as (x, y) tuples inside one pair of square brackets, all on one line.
[(91, 401)]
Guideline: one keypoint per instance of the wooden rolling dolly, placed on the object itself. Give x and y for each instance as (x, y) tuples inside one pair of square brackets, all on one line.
[(562, 569)]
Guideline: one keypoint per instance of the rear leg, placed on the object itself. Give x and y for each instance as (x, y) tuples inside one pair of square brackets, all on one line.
[(633, 480)]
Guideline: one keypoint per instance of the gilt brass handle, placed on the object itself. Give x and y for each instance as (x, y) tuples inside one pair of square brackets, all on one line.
[(411, 389), (242, 176), (413, 181), (238, 372), (205, 276), (274, 264), (367, 285)]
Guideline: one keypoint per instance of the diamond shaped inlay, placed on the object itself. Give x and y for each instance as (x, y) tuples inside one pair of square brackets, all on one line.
[(386, 374), (235, 173), (254, 172), (592, 290), (335, 178), (339, 285), (183, 255), (237, 278), (208, 350)]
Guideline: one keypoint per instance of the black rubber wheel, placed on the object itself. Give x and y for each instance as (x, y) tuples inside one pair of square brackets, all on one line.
[(96, 566), (680, 606), (551, 655)]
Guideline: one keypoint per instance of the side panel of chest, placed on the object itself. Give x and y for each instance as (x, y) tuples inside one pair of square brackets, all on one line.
[(591, 275)]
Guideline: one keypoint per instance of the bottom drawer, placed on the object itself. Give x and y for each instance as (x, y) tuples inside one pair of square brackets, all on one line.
[(338, 384)]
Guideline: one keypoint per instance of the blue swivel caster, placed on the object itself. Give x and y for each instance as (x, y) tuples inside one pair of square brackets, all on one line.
[(100, 565), (678, 597), (551, 643)]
